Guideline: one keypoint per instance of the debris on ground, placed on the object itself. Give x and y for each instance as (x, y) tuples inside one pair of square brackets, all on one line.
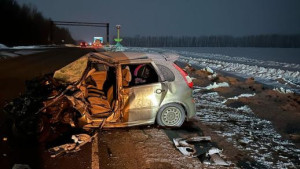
[(187, 148), (215, 157), (79, 141)]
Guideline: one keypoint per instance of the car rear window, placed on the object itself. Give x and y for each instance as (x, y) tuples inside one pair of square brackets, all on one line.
[(166, 72)]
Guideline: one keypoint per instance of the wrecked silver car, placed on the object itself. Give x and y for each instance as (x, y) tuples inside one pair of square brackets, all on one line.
[(109, 89)]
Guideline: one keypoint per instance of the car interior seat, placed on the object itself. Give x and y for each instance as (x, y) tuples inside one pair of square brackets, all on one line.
[(126, 76), (99, 77), (99, 105), (110, 95)]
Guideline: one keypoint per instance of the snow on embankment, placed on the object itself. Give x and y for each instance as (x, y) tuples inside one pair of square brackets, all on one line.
[(9, 52), (248, 70), (212, 86), (35, 47), (3, 46), (286, 75)]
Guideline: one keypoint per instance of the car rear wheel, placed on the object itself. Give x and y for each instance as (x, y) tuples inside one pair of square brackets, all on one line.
[(171, 115)]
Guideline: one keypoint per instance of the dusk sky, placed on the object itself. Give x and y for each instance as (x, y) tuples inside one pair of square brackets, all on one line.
[(175, 17)]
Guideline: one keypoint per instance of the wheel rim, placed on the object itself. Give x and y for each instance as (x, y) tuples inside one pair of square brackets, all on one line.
[(171, 116)]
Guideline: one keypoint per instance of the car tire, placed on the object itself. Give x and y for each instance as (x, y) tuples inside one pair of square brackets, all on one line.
[(170, 115)]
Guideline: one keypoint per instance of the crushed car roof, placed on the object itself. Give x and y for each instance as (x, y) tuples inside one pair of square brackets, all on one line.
[(72, 72), (125, 56)]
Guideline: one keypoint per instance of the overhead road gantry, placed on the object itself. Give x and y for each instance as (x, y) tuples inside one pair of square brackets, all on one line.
[(89, 24)]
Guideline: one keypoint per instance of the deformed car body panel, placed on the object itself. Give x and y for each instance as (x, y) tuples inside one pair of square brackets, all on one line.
[(141, 103), (72, 72)]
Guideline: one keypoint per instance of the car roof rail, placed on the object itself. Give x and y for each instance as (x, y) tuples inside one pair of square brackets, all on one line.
[(143, 57), (170, 56)]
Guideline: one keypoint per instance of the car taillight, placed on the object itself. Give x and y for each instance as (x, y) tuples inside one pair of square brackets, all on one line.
[(185, 76)]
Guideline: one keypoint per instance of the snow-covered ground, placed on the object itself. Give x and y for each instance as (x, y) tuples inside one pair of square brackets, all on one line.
[(240, 126), (2, 46), (277, 74), (9, 54), (287, 55), (15, 51), (246, 131)]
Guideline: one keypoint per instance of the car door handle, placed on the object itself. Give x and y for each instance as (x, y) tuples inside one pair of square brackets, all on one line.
[(159, 91)]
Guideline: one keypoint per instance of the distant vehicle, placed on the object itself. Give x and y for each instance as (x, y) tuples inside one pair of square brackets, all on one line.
[(83, 44), (98, 41)]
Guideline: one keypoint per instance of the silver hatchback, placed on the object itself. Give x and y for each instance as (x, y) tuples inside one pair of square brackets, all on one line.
[(119, 89)]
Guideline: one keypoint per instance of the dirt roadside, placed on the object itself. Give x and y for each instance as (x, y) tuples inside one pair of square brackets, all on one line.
[(282, 109)]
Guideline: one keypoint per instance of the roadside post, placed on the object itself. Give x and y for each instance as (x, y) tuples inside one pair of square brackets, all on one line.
[(118, 39)]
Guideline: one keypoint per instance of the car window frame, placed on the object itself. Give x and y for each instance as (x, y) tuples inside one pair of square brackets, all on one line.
[(157, 71)]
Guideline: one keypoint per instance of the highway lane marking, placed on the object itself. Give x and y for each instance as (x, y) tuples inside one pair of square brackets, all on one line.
[(95, 153)]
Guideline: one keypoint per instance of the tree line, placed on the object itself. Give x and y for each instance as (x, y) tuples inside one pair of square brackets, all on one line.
[(25, 25), (271, 40)]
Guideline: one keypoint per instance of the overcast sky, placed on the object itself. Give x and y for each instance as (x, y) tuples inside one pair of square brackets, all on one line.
[(176, 17)]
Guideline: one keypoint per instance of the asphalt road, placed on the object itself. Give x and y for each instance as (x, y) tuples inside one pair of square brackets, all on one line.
[(13, 74)]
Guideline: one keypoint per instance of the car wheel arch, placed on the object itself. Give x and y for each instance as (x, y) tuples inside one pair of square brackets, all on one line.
[(169, 103), (179, 103)]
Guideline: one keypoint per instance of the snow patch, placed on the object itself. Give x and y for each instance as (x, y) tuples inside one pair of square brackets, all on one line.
[(237, 97), (212, 76), (282, 90), (2, 46), (7, 54), (217, 85), (245, 109), (211, 86), (28, 52), (26, 47), (208, 69)]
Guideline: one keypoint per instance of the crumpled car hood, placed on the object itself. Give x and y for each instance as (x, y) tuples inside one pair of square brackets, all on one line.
[(72, 72)]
